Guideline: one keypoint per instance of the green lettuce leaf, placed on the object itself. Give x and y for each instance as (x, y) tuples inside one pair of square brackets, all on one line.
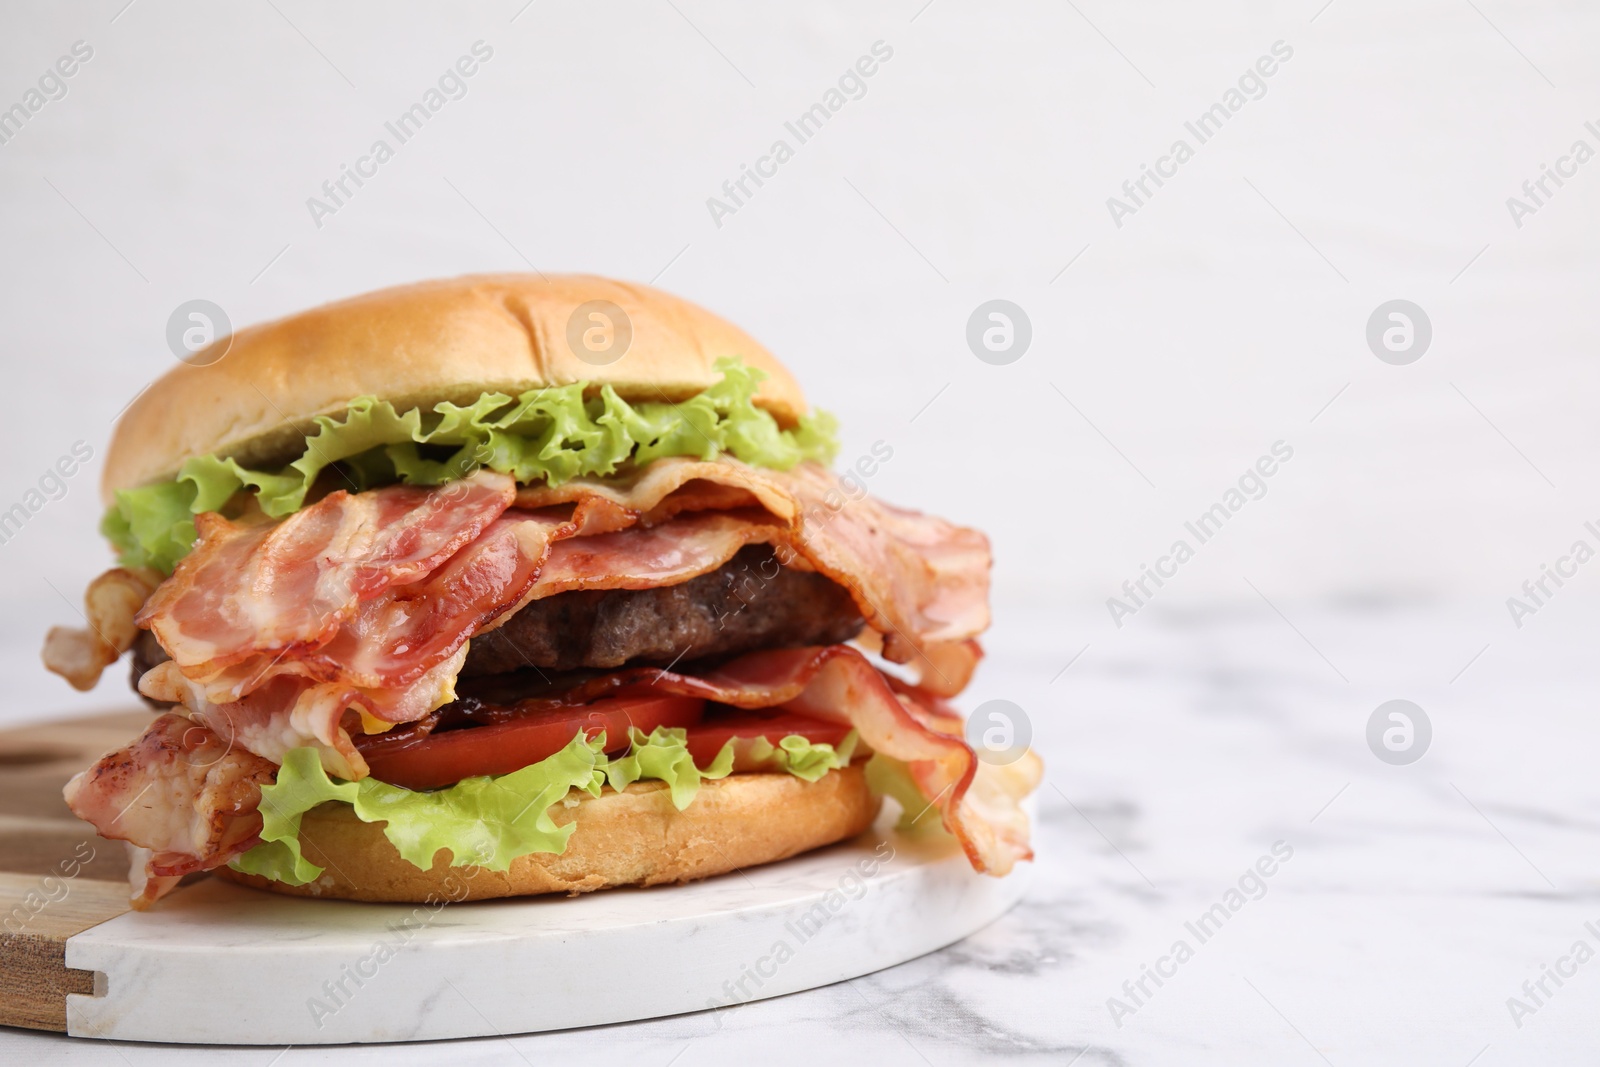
[(545, 435), (802, 757), (664, 755), (484, 821), (153, 526), (490, 821)]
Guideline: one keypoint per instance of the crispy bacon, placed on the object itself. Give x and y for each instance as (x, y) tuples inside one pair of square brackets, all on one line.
[(264, 590), (110, 605), (180, 791), (839, 684), (291, 711), (394, 639), (652, 556)]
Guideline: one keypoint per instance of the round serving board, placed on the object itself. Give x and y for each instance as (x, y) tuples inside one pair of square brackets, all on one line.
[(221, 963)]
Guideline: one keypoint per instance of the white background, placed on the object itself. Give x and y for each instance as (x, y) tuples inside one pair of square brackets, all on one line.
[(1227, 314), (1192, 337)]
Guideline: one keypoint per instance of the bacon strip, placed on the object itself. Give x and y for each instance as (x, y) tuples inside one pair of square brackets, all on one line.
[(978, 802), (110, 605), (652, 556), (839, 684), (396, 638), (292, 711), (250, 591), (696, 484), (180, 791)]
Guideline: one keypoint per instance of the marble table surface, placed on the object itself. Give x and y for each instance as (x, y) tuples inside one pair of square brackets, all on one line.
[(1405, 909)]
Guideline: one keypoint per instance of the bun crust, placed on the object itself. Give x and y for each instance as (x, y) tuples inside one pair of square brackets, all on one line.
[(635, 837), (416, 345)]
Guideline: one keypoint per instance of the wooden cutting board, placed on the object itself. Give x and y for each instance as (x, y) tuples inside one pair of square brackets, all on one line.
[(277, 970), (57, 878)]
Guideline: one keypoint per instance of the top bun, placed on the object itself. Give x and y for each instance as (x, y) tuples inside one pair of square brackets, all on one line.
[(415, 345)]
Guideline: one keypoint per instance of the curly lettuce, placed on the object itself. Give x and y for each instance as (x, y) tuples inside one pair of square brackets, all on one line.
[(487, 821), (801, 756), (663, 755), (544, 435), (491, 821)]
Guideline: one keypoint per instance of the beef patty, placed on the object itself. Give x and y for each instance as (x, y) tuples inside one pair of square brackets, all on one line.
[(748, 603)]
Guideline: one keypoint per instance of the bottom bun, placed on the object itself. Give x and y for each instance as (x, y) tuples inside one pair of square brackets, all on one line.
[(635, 837)]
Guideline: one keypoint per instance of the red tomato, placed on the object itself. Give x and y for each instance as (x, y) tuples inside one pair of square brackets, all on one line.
[(707, 738), (444, 759)]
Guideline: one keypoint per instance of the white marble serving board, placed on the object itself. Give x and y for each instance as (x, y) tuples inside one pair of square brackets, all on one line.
[(220, 963)]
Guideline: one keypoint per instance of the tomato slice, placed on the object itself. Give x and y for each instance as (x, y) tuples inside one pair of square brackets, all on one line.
[(706, 739), (438, 760)]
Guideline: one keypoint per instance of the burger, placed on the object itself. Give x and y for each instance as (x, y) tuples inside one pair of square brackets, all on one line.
[(514, 585)]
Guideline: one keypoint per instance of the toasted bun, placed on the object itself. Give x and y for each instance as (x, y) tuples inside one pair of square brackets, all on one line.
[(414, 346), (635, 837)]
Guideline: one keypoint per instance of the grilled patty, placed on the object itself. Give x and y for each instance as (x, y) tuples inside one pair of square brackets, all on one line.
[(748, 603)]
